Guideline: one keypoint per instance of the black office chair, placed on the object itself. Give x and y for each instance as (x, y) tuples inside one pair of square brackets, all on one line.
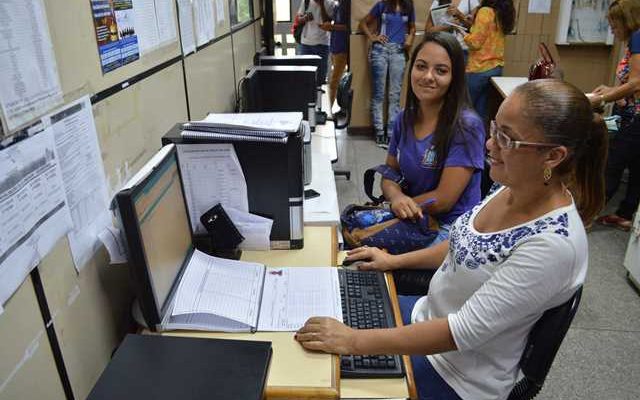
[(341, 119), (542, 345)]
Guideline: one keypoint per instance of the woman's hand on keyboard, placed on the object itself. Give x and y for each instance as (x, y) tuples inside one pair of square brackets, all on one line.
[(372, 258), (328, 335)]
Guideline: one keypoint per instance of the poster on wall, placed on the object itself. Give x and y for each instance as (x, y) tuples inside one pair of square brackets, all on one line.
[(115, 33)]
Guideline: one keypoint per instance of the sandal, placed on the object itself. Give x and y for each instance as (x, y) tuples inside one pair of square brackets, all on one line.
[(616, 221)]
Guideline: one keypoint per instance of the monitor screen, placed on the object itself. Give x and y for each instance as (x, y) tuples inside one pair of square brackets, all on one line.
[(164, 226)]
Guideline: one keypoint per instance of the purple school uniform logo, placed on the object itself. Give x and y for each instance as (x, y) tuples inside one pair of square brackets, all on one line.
[(429, 159)]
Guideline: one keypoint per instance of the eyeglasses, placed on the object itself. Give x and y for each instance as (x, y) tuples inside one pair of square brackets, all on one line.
[(505, 142)]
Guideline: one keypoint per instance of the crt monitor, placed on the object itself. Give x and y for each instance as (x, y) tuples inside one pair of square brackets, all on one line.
[(154, 218)]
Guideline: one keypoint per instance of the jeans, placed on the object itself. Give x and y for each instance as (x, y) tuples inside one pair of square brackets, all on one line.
[(321, 50), (624, 152), (429, 383), (385, 58), (479, 85)]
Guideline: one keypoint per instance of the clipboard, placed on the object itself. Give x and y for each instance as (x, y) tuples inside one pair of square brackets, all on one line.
[(439, 15)]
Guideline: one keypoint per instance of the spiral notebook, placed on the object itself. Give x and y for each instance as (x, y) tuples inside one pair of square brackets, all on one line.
[(259, 127)]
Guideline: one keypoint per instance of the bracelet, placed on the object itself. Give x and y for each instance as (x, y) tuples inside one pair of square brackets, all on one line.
[(602, 101)]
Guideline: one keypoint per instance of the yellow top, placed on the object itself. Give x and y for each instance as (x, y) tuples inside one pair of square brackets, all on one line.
[(485, 41)]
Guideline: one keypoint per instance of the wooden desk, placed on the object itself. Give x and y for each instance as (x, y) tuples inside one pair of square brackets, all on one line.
[(296, 373)]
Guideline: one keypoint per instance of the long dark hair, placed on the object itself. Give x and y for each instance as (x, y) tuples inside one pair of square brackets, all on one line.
[(406, 6), (563, 114), (627, 14), (505, 12), (456, 100)]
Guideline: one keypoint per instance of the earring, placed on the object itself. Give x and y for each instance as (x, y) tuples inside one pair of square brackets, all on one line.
[(546, 175)]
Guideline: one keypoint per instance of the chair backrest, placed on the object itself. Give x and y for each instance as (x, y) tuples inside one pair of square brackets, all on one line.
[(545, 339), (344, 97)]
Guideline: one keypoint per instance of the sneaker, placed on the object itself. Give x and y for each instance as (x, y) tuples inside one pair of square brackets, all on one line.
[(615, 221), (382, 142)]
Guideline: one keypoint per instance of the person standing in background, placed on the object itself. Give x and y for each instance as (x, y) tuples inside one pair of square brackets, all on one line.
[(493, 20), (461, 12), (314, 40), (339, 44), (624, 147), (388, 54)]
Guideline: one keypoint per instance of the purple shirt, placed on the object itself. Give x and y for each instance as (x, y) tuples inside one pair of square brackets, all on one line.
[(339, 39), (422, 169), (394, 25)]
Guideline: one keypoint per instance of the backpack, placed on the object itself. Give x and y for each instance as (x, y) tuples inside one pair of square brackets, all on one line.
[(298, 24)]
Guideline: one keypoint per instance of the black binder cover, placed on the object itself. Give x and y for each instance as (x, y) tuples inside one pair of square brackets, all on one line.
[(160, 367)]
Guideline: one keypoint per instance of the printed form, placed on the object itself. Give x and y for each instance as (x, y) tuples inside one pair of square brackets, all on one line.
[(226, 288), (83, 175), (293, 295), (29, 82), (211, 174), (33, 209)]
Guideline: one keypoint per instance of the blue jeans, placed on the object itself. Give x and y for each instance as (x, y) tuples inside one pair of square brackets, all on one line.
[(429, 383), (321, 50), (385, 58), (479, 85)]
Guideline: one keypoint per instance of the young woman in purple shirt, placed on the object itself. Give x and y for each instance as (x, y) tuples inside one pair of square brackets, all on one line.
[(437, 142)]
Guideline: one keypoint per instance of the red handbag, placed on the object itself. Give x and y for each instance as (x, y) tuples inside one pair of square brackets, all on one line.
[(544, 66)]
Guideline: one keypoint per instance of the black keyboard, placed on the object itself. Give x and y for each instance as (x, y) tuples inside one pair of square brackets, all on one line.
[(366, 305)]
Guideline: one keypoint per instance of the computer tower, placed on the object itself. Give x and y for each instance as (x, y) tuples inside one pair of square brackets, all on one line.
[(299, 60), (275, 189), (280, 88)]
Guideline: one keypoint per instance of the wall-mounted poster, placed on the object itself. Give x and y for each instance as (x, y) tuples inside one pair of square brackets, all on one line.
[(115, 33)]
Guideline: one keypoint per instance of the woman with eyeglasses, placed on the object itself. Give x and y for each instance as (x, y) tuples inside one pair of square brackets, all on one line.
[(520, 252)]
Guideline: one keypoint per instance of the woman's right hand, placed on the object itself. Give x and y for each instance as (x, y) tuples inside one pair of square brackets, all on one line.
[(373, 259), (404, 207), (379, 38)]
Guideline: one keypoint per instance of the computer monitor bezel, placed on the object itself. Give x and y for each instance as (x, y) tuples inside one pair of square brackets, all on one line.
[(139, 268)]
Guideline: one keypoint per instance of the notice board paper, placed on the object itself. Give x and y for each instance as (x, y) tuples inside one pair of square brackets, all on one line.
[(116, 33), (29, 82), (33, 209), (83, 176)]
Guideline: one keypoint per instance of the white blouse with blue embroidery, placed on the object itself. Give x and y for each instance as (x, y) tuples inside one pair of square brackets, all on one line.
[(493, 287)]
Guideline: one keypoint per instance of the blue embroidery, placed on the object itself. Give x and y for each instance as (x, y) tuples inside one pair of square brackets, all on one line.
[(473, 250)]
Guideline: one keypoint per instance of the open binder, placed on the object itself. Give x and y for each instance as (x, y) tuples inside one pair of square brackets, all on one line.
[(182, 288)]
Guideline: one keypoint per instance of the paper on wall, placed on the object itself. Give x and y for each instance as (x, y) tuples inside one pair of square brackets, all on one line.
[(187, 35), (204, 23), (211, 174), (539, 6), (219, 11), (83, 176), (29, 82), (144, 12), (33, 209), (165, 21)]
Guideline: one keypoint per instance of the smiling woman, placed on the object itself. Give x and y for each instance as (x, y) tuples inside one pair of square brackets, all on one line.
[(520, 252)]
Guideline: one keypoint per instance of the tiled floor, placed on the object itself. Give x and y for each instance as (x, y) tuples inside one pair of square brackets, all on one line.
[(600, 356)]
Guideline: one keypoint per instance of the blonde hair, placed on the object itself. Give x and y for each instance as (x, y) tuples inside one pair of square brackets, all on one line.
[(627, 14)]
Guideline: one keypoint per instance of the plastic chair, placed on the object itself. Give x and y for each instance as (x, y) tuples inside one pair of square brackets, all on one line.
[(342, 118), (542, 345)]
